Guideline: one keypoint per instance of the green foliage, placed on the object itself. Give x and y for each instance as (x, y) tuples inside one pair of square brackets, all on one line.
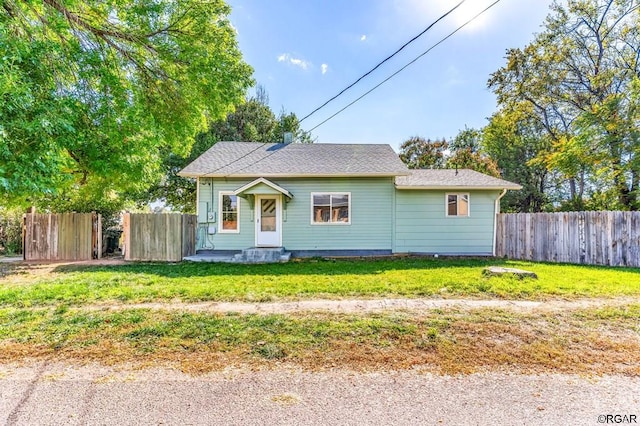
[(92, 92), (420, 153), (10, 231), (468, 153), (464, 152), (515, 141), (576, 88), (251, 121)]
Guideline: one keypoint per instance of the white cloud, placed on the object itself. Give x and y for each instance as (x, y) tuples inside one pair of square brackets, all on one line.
[(363, 37), (285, 57), (324, 68), (454, 77)]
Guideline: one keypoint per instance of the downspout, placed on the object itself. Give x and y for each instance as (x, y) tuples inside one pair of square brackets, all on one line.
[(393, 215), (495, 220)]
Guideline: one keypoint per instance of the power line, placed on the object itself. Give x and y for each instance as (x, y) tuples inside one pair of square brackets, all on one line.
[(382, 62), (236, 160), (407, 65)]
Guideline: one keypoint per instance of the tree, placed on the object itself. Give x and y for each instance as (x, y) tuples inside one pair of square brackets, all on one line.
[(577, 81), (251, 121), (93, 92), (467, 153), (420, 153), (515, 142)]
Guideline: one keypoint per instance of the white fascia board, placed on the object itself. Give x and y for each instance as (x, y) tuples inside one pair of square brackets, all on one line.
[(456, 188), (289, 175)]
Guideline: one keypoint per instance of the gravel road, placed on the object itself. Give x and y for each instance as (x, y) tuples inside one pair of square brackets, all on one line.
[(58, 394)]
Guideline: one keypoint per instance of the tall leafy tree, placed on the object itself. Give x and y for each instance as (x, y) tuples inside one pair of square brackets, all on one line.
[(516, 142), (251, 121), (420, 153), (93, 92), (577, 81), (467, 152)]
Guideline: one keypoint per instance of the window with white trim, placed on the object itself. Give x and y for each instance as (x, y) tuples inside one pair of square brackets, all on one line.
[(331, 208), (229, 208), (457, 205)]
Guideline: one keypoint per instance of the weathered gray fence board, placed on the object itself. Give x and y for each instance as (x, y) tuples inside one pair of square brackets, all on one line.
[(189, 227), (159, 237), (594, 238), (62, 236)]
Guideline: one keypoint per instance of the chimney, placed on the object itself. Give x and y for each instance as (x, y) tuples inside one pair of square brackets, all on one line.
[(287, 137)]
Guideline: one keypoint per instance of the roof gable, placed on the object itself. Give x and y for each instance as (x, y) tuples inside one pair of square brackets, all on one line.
[(262, 186), (252, 159)]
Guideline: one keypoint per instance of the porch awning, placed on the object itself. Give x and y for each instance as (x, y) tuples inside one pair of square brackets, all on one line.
[(262, 186)]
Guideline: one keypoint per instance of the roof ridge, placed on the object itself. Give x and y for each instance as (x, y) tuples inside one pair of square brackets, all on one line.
[(236, 158)]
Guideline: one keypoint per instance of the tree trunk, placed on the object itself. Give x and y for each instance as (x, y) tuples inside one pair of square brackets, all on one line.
[(572, 188)]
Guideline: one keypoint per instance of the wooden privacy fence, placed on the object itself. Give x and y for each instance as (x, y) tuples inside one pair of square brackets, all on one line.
[(593, 238), (62, 236), (159, 237)]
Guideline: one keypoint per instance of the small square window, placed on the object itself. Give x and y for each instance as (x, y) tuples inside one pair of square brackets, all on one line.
[(457, 205)]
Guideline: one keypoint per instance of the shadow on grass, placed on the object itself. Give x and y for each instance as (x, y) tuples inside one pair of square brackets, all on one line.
[(315, 266)]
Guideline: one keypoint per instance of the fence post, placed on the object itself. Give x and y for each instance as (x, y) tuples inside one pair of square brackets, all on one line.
[(126, 229)]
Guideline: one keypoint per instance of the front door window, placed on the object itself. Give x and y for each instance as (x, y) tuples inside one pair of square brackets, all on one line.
[(268, 215)]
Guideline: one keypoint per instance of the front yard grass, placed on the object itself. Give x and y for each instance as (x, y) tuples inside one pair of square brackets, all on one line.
[(45, 313), (451, 341), (24, 286)]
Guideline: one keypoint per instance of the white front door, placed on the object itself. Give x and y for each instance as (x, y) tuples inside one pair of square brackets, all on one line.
[(268, 221)]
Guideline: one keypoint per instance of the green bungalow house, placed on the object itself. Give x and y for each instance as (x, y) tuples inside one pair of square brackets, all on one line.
[(337, 199)]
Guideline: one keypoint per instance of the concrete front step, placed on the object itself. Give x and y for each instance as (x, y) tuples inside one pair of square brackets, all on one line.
[(263, 255), (250, 255)]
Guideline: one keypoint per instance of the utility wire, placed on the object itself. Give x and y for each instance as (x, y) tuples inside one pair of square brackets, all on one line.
[(260, 145), (407, 65), (382, 62)]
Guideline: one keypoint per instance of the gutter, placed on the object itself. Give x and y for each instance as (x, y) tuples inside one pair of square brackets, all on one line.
[(288, 175), (495, 220), (454, 187)]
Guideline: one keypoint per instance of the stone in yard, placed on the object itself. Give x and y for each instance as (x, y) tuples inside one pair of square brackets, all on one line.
[(492, 271)]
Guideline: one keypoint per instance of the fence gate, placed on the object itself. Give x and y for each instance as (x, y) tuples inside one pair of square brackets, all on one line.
[(62, 236), (159, 237)]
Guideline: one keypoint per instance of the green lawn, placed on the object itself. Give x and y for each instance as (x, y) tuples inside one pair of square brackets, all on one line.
[(401, 277)]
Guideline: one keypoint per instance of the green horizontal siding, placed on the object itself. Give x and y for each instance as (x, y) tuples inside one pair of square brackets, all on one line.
[(419, 219), (423, 227), (371, 213), (208, 202)]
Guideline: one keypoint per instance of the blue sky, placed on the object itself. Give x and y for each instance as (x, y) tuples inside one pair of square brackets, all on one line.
[(304, 52)]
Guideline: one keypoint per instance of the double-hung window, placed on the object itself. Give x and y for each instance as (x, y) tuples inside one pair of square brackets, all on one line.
[(457, 205), (331, 208), (229, 212)]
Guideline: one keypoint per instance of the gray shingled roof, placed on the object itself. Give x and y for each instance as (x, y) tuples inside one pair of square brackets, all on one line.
[(252, 159), (451, 179)]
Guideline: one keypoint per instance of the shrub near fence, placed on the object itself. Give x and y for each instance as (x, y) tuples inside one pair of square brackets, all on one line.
[(592, 238), (10, 232)]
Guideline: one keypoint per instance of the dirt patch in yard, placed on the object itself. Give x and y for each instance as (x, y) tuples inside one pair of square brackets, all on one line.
[(44, 268), (369, 305), (449, 341)]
